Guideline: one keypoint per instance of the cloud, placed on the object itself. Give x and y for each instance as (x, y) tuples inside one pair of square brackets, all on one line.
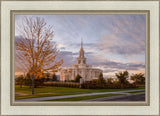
[(126, 35), (121, 44), (111, 42), (111, 66), (68, 58)]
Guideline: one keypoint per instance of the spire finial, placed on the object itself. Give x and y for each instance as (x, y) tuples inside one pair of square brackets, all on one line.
[(81, 42)]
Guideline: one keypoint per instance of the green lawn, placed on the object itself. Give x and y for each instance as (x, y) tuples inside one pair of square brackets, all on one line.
[(58, 91), (85, 97)]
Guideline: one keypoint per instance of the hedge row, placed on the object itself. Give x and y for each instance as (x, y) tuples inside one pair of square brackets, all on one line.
[(90, 85), (86, 85), (62, 84), (108, 86)]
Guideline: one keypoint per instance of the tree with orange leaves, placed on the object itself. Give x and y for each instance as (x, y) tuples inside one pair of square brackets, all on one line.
[(36, 48)]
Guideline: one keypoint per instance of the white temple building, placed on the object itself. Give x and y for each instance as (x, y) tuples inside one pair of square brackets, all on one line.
[(87, 72)]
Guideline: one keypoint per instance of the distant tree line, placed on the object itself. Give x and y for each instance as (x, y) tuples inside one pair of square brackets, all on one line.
[(122, 81), (27, 80)]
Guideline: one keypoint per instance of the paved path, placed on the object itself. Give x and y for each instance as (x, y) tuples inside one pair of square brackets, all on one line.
[(78, 95), (130, 97)]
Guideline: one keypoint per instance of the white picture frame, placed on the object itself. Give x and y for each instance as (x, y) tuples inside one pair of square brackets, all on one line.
[(8, 109)]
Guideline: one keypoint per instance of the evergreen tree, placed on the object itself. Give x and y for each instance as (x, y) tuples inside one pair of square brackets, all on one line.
[(109, 80), (54, 77), (20, 80), (101, 80), (77, 78)]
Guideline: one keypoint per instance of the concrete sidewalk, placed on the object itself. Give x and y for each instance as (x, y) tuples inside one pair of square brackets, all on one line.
[(78, 95), (129, 97)]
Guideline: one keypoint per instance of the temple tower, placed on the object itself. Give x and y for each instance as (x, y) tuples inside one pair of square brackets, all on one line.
[(81, 59), (87, 72)]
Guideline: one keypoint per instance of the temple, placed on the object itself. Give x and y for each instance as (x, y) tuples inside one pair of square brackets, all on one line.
[(87, 72)]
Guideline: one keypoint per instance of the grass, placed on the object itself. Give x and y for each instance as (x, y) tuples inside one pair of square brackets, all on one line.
[(85, 97), (58, 91), (136, 91)]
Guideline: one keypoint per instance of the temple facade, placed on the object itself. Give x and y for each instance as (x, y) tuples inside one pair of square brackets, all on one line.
[(87, 72)]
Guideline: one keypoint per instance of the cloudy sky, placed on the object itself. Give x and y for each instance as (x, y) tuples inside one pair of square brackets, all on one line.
[(111, 42)]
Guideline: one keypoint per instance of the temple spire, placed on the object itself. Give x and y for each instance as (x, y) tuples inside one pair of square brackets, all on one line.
[(81, 52), (81, 42), (81, 59)]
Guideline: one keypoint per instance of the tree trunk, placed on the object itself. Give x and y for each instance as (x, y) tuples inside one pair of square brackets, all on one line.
[(33, 84)]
